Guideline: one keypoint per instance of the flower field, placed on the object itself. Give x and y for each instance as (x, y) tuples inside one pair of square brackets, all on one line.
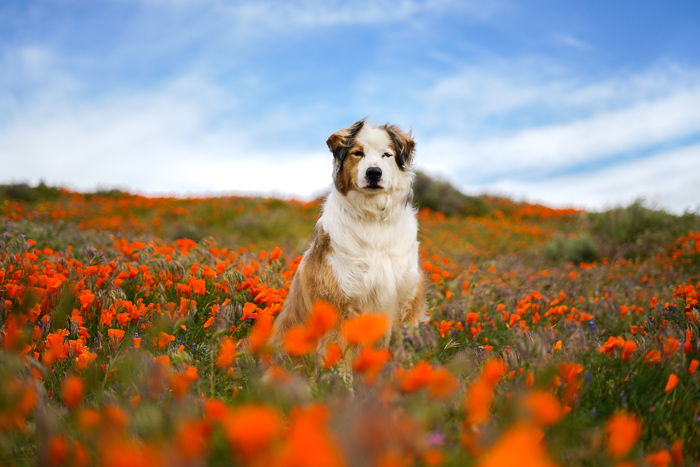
[(134, 331)]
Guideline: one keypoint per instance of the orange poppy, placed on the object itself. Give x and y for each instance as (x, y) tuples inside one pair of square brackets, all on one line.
[(251, 429), (115, 336), (322, 319), (308, 442), (227, 353), (623, 430), (298, 342), (627, 348), (72, 391), (520, 446), (544, 407), (671, 383), (370, 361), (365, 329), (333, 354)]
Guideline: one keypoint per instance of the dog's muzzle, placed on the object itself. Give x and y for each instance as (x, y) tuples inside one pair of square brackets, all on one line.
[(373, 175)]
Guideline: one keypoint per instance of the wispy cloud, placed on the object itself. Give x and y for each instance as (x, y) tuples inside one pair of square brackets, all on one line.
[(571, 41), (310, 13), (667, 179), (546, 149)]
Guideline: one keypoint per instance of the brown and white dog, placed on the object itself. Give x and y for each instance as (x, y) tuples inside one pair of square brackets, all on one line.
[(364, 256)]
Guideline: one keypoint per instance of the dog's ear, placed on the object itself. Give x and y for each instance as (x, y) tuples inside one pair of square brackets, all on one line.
[(403, 145), (341, 140)]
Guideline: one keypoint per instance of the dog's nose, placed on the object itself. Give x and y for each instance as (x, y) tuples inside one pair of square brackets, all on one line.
[(373, 174)]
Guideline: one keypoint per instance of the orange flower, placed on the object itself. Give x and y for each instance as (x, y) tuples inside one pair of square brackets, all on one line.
[(611, 344), (443, 383), (671, 345), (658, 459), (557, 345), (88, 419), (443, 327), (671, 383), (208, 322), (370, 362), (480, 392), (180, 382), (333, 354), (275, 254), (191, 439), (298, 342), (214, 410), (301, 340), (57, 450), (677, 452), (72, 391), (115, 336), (623, 430), (308, 442), (571, 374), (56, 347), (322, 319), (260, 333), (86, 298), (493, 371), (415, 378), (251, 429), (653, 356), (227, 353), (693, 367), (365, 328), (529, 379), (627, 348), (520, 446), (84, 359), (688, 343), (163, 339), (478, 402), (544, 407), (119, 453)]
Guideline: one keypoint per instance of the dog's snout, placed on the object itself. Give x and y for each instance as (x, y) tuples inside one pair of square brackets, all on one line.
[(373, 174)]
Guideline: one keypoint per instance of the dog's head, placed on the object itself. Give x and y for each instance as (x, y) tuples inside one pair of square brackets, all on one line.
[(371, 159)]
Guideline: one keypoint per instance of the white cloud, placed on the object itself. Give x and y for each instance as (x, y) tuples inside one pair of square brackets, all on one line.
[(174, 140), (553, 147), (569, 40), (666, 179), (313, 13)]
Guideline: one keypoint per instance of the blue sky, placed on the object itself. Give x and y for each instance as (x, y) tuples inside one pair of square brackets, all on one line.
[(590, 104)]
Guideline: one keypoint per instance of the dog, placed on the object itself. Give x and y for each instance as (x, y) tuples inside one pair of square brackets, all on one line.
[(364, 255)]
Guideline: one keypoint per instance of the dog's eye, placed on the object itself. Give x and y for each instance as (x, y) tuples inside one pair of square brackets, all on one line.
[(386, 154), (358, 154)]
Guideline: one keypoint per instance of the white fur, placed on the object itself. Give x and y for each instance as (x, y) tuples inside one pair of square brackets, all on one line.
[(375, 142), (374, 254)]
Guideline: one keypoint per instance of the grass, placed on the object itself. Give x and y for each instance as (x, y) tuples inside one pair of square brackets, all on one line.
[(133, 330)]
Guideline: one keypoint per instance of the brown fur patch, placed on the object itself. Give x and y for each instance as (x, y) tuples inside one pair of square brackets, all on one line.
[(346, 175), (313, 281), (403, 146), (417, 304), (341, 143)]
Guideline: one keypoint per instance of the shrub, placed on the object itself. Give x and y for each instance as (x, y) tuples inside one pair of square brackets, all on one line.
[(574, 249), (441, 196), (25, 192), (638, 231)]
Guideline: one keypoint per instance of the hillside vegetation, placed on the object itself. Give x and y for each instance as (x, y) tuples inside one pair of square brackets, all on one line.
[(134, 331)]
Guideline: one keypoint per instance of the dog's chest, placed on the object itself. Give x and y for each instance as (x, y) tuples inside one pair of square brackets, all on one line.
[(376, 266)]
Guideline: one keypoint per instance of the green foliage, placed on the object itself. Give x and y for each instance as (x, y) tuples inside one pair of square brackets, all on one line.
[(573, 249), (25, 192), (441, 196), (638, 231)]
